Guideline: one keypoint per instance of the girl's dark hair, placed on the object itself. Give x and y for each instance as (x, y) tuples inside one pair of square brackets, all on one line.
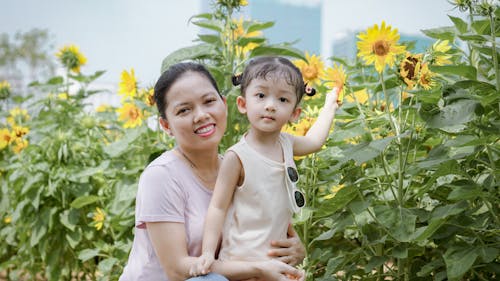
[(277, 67), (171, 75)]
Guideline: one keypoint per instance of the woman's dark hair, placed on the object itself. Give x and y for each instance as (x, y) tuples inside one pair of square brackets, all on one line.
[(171, 75), (278, 67)]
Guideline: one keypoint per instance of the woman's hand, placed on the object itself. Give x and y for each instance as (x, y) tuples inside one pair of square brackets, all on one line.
[(274, 270), (290, 250)]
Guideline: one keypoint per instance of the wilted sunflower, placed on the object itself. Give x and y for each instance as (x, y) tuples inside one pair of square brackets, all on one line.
[(426, 77), (312, 69), (128, 84), (130, 114), (409, 69), (379, 46), (19, 145), (71, 58)]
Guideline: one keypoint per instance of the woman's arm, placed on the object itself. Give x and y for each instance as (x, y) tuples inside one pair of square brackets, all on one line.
[(170, 245), (290, 250), (317, 134), (269, 270)]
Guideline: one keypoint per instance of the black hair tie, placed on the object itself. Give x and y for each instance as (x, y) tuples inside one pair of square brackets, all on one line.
[(310, 91), (236, 79)]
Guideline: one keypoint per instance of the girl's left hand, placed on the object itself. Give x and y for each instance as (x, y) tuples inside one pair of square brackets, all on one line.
[(290, 250)]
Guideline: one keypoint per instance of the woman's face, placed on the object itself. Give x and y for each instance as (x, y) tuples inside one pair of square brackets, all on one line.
[(196, 115)]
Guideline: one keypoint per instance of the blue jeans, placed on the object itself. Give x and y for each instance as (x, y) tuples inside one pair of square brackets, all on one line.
[(209, 277)]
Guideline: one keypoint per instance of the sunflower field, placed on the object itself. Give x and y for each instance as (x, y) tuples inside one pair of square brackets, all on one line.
[(406, 187)]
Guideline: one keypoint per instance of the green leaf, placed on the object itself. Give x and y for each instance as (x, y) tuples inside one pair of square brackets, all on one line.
[(363, 152), (188, 53), (425, 232), (210, 24), (457, 113), (374, 262), (106, 265), (466, 71), (488, 254), (87, 254), (443, 33), (209, 38), (474, 37), (443, 212), (343, 197), (84, 201), (57, 80), (464, 193), (122, 145), (460, 24), (459, 261), (69, 218), (259, 26), (38, 230), (74, 238), (278, 51)]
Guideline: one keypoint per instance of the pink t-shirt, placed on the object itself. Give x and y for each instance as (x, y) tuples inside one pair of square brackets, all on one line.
[(168, 192)]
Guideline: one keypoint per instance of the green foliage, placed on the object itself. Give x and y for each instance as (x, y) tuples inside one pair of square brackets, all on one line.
[(406, 188)]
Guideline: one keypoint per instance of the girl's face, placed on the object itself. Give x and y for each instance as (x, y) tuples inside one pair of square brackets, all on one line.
[(196, 115), (269, 104)]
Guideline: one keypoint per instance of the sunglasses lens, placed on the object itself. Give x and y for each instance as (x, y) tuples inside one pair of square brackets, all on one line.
[(299, 199), (292, 173)]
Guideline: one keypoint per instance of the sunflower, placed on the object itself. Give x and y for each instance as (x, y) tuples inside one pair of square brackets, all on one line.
[(336, 77), (128, 84), (98, 218), (19, 131), (4, 90), (131, 114), (19, 145), (103, 108), (148, 96), (240, 32), (312, 69), (439, 50), (71, 58), (379, 46), (62, 96), (17, 116), (361, 96), (426, 78), (409, 69), (6, 138)]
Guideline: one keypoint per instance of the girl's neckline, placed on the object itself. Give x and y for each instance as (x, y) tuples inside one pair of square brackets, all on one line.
[(265, 158)]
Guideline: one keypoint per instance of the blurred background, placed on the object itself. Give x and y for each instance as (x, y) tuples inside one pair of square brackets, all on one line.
[(117, 35)]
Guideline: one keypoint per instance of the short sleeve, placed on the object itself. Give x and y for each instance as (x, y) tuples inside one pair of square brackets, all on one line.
[(160, 198)]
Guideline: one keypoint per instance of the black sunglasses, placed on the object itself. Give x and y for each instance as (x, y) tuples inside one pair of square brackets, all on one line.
[(300, 200)]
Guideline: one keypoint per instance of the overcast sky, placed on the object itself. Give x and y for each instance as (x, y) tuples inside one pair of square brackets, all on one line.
[(120, 34)]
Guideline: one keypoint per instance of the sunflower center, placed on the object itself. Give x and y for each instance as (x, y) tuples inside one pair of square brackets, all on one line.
[(310, 72), (133, 113), (381, 48), (409, 66)]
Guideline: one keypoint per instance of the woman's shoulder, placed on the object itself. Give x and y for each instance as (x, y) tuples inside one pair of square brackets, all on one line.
[(167, 162)]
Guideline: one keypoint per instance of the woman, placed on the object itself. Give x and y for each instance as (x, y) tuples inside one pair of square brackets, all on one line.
[(175, 189)]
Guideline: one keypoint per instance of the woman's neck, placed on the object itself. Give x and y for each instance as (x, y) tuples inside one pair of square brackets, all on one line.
[(202, 160)]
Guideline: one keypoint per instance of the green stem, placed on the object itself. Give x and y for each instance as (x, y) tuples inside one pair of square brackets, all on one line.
[(494, 51)]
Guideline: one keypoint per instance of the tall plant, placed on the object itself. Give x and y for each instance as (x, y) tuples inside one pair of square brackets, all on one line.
[(417, 176)]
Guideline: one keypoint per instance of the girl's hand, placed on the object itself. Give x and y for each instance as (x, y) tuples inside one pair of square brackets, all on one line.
[(331, 99), (202, 265), (290, 250)]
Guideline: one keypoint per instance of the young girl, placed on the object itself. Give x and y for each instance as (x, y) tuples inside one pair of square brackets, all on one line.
[(255, 194)]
